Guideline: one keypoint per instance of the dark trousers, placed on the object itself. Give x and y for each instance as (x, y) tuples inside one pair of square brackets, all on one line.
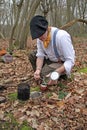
[(46, 68)]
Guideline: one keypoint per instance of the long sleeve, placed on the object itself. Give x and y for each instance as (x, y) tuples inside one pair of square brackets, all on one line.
[(66, 51), (40, 51)]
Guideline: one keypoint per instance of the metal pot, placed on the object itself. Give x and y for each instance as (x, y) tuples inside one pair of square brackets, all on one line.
[(23, 92)]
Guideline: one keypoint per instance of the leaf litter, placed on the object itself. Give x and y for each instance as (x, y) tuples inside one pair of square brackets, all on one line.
[(60, 107)]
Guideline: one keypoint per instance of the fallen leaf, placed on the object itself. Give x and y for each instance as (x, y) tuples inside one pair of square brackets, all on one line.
[(1, 115), (50, 106), (85, 82), (34, 123), (41, 126), (77, 110), (22, 119), (68, 95), (18, 114), (79, 90), (35, 113), (60, 104), (84, 111), (55, 96)]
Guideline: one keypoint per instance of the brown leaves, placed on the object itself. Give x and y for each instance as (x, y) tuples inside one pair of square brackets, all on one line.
[(84, 111), (48, 111)]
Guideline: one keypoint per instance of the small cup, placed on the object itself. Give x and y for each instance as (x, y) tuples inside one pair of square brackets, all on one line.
[(54, 75), (43, 87)]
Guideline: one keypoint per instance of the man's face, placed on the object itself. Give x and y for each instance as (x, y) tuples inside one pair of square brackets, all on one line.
[(43, 37)]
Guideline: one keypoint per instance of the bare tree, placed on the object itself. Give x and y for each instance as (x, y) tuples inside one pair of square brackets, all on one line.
[(16, 16), (14, 27), (44, 6), (25, 29)]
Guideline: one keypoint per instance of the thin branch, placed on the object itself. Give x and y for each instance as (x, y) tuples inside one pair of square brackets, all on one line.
[(69, 24)]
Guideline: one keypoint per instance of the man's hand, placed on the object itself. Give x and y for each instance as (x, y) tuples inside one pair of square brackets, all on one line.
[(51, 82), (39, 64), (37, 75)]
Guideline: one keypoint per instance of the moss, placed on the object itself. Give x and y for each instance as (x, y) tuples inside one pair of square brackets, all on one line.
[(61, 85), (13, 96), (37, 88), (12, 123), (25, 126), (49, 95), (83, 70), (62, 94), (9, 124)]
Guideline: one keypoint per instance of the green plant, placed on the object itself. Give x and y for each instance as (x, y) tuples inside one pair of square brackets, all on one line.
[(25, 126), (49, 94), (13, 96), (61, 85), (62, 94), (37, 88), (10, 123), (83, 70)]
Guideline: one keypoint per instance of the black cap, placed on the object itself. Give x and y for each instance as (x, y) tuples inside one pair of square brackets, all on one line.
[(38, 26)]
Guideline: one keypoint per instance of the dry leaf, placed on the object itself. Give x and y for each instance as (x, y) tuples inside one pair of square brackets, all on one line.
[(85, 82), (35, 113), (41, 126), (79, 90), (55, 96), (77, 110), (68, 95), (60, 104), (1, 115), (18, 114), (22, 119), (84, 111), (50, 106), (34, 123)]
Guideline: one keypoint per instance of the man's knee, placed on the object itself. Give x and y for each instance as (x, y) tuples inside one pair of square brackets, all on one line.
[(32, 55), (32, 59)]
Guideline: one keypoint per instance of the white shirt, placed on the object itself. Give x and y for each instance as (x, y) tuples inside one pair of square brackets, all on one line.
[(64, 46)]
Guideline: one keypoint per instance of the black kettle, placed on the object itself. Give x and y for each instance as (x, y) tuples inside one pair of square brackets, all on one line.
[(23, 92)]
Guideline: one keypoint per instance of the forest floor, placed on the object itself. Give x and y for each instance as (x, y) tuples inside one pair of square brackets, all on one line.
[(61, 107)]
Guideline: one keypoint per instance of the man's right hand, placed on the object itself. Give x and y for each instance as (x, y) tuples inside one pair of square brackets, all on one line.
[(37, 75)]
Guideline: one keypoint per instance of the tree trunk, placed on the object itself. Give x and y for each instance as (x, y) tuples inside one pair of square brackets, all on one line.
[(23, 19), (68, 10), (25, 29), (14, 27)]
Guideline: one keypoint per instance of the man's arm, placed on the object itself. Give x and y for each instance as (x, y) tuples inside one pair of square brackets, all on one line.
[(60, 70), (67, 52), (39, 64)]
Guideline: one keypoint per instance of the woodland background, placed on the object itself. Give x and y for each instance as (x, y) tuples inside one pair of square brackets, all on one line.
[(61, 107), (16, 16)]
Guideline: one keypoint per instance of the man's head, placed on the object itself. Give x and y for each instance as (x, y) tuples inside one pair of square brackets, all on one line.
[(38, 26)]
